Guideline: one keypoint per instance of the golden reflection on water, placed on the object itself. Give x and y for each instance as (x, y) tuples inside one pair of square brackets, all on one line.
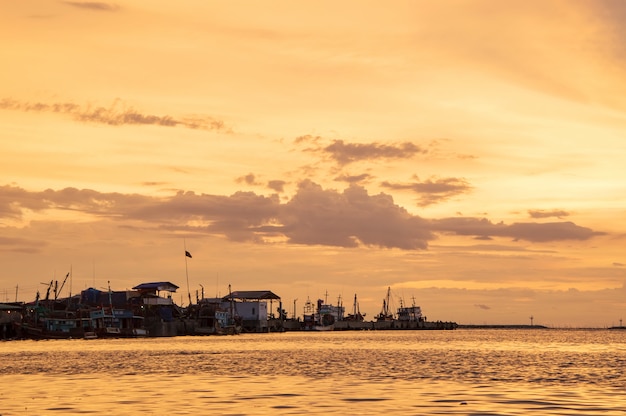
[(463, 372)]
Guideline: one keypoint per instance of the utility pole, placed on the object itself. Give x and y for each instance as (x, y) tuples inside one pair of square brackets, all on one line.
[(531, 320)]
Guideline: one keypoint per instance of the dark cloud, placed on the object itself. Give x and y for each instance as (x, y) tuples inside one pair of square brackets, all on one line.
[(540, 213), (351, 218), (277, 185), (93, 5), (616, 264), (307, 138), (484, 307), (353, 178), (13, 200), (433, 191), (534, 232), (314, 216), (249, 179), (117, 114), (345, 153)]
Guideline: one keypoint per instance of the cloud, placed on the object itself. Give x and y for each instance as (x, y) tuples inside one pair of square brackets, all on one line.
[(93, 5), (351, 218), (534, 232), (20, 245), (433, 191), (484, 307), (353, 178), (252, 180), (307, 138), (345, 153), (13, 200), (117, 114), (277, 185), (313, 216), (540, 213), (612, 15), (248, 179)]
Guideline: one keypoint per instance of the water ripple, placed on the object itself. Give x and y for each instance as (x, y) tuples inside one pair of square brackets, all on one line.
[(414, 372)]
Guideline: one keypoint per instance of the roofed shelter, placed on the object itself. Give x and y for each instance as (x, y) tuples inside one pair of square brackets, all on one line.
[(155, 287), (252, 295), (251, 306), (150, 292)]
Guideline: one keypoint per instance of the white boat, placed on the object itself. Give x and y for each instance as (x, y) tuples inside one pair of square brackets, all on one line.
[(324, 317), (410, 313)]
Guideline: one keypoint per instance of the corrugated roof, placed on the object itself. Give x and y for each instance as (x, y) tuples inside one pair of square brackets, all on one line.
[(170, 287), (252, 295)]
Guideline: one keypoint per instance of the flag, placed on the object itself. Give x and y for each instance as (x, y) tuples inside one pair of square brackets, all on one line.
[(188, 254)]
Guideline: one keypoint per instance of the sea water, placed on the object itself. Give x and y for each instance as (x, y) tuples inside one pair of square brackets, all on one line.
[(462, 372)]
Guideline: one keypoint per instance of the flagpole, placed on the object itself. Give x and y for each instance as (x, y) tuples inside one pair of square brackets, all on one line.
[(187, 271)]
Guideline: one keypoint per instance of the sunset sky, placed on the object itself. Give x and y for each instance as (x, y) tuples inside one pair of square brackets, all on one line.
[(468, 154)]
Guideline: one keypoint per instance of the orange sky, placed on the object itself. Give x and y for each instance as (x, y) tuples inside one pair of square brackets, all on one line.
[(469, 154)]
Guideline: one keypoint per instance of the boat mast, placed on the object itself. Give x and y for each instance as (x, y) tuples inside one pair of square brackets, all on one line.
[(69, 299), (339, 307), (230, 296), (294, 308), (56, 294), (386, 302), (110, 296)]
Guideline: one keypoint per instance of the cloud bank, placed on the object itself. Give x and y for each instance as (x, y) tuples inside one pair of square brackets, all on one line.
[(313, 216)]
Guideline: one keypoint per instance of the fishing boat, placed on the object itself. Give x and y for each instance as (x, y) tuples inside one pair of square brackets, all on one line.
[(324, 316), (385, 315), (117, 323), (53, 317), (209, 317), (356, 315), (40, 322), (411, 313)]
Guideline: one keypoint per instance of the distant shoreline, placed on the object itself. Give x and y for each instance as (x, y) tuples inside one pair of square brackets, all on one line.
[(501, 326), (510, 326)]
